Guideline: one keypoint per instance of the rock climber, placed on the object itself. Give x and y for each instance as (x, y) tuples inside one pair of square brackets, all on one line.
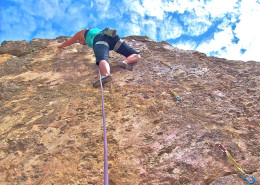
[(102, 41)]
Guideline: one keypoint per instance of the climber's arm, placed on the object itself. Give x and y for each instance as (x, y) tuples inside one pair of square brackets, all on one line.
[(70, 41)]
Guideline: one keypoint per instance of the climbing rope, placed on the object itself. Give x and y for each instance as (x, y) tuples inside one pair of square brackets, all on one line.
[(105, 134), (245, 176)]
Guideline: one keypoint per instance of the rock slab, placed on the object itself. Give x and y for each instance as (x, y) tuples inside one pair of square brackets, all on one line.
[(51, 117)]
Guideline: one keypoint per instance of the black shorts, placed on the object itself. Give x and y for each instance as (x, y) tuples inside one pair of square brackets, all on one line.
[(102, 51)]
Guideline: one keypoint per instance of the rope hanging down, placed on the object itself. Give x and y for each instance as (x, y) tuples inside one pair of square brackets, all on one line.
[(105, 134)]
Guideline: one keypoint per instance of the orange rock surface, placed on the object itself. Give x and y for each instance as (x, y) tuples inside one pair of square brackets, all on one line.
[(51, 129)]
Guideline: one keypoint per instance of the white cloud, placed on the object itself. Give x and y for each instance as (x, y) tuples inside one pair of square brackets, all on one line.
[(102, 5), (135, 18), (252, 52), (126, 28), (47, 32), (11, 14), (158, 19), (186, 45), (220, 40), (47, 9), (248, 28), (133, 29), (17, 25), (170, 29), (198, 16), (222, 44), (133, 6), (180, 6), (201, 15), (196, 25), (29, 19), (153, 8), (197, 28), (218, 8), (247, 31), (197, 22), (149, 28)]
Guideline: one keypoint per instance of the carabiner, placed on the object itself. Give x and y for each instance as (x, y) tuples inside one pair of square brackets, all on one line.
[(178, 99), (222, 148), (250, 182), (175, 95)]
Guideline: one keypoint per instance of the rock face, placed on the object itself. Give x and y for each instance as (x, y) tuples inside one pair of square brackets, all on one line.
[(51, 129)]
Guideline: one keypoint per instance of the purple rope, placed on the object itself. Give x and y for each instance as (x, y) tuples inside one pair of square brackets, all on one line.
[(105, 135)]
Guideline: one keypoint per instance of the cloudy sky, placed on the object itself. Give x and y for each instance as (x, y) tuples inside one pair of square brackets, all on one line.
[(222, 28)]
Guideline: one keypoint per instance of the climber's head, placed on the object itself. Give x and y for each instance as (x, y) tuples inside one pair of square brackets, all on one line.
[(82, 41), (80, 37)]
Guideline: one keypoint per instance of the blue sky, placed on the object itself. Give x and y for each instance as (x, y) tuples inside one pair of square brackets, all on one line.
[(222, 28)]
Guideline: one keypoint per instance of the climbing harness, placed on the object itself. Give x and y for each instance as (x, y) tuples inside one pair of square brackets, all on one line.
[(245, 176), (174, 94), (116, 47), (118, 44), (105, 134), (102, 42), (168, 65)]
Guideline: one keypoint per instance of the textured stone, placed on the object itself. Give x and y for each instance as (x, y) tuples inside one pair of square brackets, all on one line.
[(51, 118)]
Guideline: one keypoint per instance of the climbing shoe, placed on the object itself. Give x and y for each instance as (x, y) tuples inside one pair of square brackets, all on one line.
[(104, 80), (125, 66)]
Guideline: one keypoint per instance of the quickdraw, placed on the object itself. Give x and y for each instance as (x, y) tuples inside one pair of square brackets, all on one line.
[(174, 94), (168, 65), (245, 176)]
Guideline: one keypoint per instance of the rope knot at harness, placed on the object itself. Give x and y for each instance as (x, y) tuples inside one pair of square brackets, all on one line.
[(245, 176)]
